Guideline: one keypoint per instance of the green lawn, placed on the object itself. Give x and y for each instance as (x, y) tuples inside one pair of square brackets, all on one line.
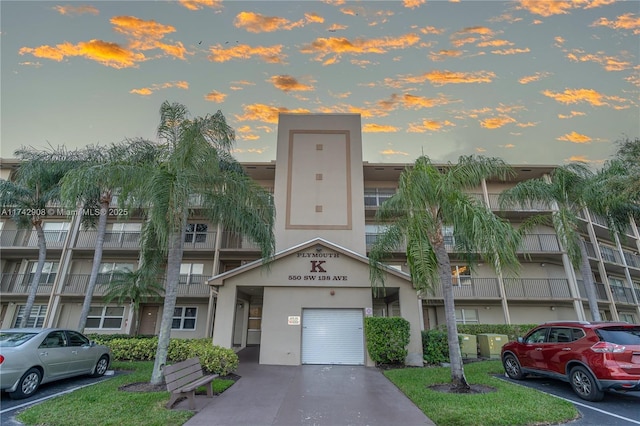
[(104, 405), (510, 405)]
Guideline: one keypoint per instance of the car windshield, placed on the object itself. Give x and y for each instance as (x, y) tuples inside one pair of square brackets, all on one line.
[(620, 335), (10, 340)]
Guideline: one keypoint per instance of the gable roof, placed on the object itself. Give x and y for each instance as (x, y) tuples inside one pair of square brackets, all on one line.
[(317, 242)]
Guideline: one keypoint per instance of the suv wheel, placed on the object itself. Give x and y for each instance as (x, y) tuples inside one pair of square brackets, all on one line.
[(584, 384), (512, 367)]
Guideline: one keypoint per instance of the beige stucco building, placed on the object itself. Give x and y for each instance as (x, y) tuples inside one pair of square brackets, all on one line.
[(308, 305)]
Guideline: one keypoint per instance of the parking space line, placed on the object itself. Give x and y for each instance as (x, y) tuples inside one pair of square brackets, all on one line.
[(608, 413)]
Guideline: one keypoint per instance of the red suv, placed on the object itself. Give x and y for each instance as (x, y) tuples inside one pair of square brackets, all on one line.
[(592, 356)]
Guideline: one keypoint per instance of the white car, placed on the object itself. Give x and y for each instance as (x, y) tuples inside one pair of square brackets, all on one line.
[(32, 356)]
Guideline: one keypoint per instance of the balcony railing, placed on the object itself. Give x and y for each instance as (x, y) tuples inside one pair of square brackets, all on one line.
[(233, 240), (20, 284), (29, 238), (527, 206), (471, 288), (623, 295), (87, 239), (601, 292), (190, 285), (632, 259), (537, 288)]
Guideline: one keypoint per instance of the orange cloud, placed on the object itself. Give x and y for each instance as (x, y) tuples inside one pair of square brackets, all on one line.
[(628, 21), (571, 115), (431, 30), (510, 51), (531, 78), (147, 35), (336, 27), (313, 17), (215, 96), (609, 63), (146, 91), (200, 4), (76, 10), (269, 54), (337, 46), (509, 145), (257, 23), (393, 152), (495, 43), (265, 113), (109, 54), (412, 4), (439, 78), (287, 83), (574, 96), (378, 128), (546, 8), (496, 122), (444, 54), (575, 138), (428, 125)]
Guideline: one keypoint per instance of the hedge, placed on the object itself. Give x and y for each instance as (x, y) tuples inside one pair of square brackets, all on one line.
[(214, 359), (387, 339)]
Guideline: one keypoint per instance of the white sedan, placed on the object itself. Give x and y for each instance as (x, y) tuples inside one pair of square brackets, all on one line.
[(32, 356)]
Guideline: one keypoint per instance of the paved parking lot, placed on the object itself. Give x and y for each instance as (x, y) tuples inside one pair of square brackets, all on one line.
[(616, 409)]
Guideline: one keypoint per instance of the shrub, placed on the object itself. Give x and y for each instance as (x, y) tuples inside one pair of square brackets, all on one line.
[(214, 359), (435, 348), (387, 339)]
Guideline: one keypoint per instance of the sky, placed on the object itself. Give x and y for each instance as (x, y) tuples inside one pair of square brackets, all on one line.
[(532, 81)]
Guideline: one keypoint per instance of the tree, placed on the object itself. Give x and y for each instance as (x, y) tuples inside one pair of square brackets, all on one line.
[(34, 188), (564, 190), (430, 198), (105, 172), (195, 170)]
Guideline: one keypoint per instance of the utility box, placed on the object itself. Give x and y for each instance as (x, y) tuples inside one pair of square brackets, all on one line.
[(491, 344), (468, 345)]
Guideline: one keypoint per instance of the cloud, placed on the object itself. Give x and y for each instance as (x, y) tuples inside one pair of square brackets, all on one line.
[(546, 8), (378, 128), (409, 101), (337, 46), (496, 122), (495, 43), (336, 27), (265, 113), (590, 96), (147, 35), (287, 83), (258, 23), (444, 54), (313, 17), (628, 21), (76, 10), (535, 77), (575, 138), (440, 78), (201, 4), (270, 54), (393, 152), (146, 91), (412, 4), (609, 63), (108, 54), (215, 96), (509, 145), (429, 125), (431, 30), (572, 114), (510, 51)]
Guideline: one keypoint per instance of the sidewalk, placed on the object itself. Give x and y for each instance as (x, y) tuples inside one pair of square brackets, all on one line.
[(318, 395)]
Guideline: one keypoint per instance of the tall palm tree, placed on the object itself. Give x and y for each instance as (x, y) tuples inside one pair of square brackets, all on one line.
[(430, 198), (106, 172), (35, 187), (196, 163), (565, 190)]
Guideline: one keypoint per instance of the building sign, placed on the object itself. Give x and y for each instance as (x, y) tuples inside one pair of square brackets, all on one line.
[(293, 320), (318, 270)]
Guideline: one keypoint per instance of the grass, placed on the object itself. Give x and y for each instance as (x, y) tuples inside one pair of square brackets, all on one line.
[(104, 405), (510, 405)]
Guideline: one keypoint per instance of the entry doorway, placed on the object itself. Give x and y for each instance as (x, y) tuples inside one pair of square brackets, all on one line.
[(148, 320)]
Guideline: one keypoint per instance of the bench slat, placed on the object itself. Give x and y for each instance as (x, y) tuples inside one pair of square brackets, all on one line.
[(184, 377)]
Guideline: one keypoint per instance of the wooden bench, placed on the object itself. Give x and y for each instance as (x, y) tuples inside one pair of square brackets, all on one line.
[(183, 378)]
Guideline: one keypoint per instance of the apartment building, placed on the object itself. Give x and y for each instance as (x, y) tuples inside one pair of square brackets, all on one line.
[(308, 305)]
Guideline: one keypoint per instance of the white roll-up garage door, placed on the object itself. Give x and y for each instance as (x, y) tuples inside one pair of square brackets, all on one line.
[(332, 336)]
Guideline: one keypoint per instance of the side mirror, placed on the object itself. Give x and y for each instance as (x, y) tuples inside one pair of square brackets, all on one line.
[(520, 339)]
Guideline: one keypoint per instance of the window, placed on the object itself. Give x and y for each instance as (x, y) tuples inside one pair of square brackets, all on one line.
[(36, 319), (625, 317), (110, 270), (49, 272), (608, 254), (467, 316), (374, 197), (191, 273), (617, 286), (196, 233), (372, 232), (125, 234), (55, 232), (77, 339), (184, 318), (537, 336), (560, 335), (447, 233), (105, 317), (461, 275), (55, 339), (255, 317)]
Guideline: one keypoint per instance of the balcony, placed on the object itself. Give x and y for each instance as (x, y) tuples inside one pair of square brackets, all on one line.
[(471, 288), (76, 285), (19, 284), (494, 204), (233, 240), (632, 259), (28, 238), (537, 288), (623, 295), (601, 292), (119, 240)]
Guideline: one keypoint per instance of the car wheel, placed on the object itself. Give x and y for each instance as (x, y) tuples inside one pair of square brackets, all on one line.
[(584, 384), (101, 366), (512, 367), (28, 384)]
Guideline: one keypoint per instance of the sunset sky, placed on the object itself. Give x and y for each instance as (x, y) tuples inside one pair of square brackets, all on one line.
[(532, 82)]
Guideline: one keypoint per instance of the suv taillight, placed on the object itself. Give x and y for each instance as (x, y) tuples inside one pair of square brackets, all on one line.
[(606, 347), (1, 359)]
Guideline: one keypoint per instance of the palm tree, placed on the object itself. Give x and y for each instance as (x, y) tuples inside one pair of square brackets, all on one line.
[(196, 163), (428, 199), (565, 190), (93, 185), (35, 187)]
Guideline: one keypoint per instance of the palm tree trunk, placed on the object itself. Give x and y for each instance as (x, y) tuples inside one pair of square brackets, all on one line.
[(97, 260), (33, 289), (458, 380), (589, 285), (174, 259)]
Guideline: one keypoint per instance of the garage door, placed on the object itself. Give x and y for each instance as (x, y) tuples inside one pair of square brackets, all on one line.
[(332, 336)]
